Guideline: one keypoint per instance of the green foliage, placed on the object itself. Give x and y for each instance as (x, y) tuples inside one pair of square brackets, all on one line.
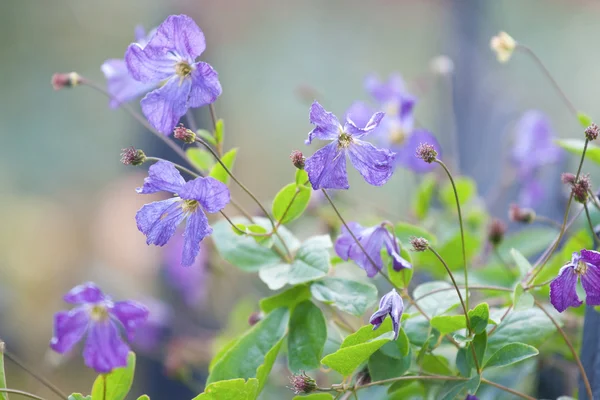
[(200, 158), (576, 146), (399, 278), (311, 262), (116, 384), (510, 354), (314, 396), (144, 397), (218, 172), (584, 119), (219, 131), (437, 303), (206, 136), (288, 298), (448, 323), (405, 231), (522, 263), (302, 178), (290, 202), (237, 389), (479, 317), (383, 366), (466, 188), (452, 389), (74, 396), (423, 195), (435, 364), (349, 296), (403, 390), (306, 338), (451, 253)]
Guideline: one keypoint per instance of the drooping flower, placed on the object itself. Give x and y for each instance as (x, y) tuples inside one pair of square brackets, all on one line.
[(102, 320), (121, 86), (584, 266), (169, 59), (533, 149), (159, 220), (396, 131), (391, 304), (327, 167), (372, 239)]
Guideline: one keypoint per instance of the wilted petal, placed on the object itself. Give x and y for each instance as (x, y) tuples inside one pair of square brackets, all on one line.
[(391, 245), (345, 241), (120, 84), (205, 85), (327, 125), (164, 107), (327, 168), (563, 292), (406, 151), (162, 176), (196, 229), (356, 132), (182, 34), (104, 349), (360, 113), (212, 194), (85, 293), (149, 65), (371, 242), (69, 328), (159, 220), (590, 281), (131, 314), (396, 312), (375, 165)]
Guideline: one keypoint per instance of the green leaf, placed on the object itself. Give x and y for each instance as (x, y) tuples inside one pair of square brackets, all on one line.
[(417, 330), (3, 395), (409, 389), (219, 131), (302, 177), (439, 302), (218, 172), (144, 397), (290, 202), (74, 396), (479, 317), (366, 333), (522, 300), (349, 296), (399, 348), (243, 251), (348, 358), (400, 278), (479, 343), (310, 263), (314, 396), (405, 231), (462, 364), (528, 241), (250, 351), (237, 389), (307, 336), (382, 366), (200, 158), (206, 136), (449, 323), (116, 384), (263, 370), (584, 119), (422, 200), (466, 189), (435, 364), (521, 261), (510, 354), (453, 388), (288, 298), (575, 146)]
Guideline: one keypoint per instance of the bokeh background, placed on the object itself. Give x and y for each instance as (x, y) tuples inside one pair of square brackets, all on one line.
[(68, 205)]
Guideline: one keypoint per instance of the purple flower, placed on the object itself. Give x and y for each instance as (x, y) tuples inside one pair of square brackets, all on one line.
[(120, 84), (102, 320), (153, 331), (563, 293), (372, 240), (159, 220), (391, 304), (533, 149), (396, 130), (169, 59), (471, 397), (327, 167)]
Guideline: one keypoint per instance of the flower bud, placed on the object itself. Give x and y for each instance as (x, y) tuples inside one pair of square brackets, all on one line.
[(419, 243), (184, 134), (496, 232), (567, 178), (131, 156), (426, 152), (503, 45), (60, 81), (523, 215), (302, 383), (591, 132), (255, 318), (581, 188), (298, 159)]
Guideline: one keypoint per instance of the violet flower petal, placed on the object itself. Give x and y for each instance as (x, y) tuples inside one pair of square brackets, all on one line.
[(121, 86), (69, 328), (104, 349), (375, 165), (164, 107), (406, 152), (196, 229), (351, 127), (131, 314), (85, 293), (385, 91), (326, 168), (162, 176), (205, 85), (590, 281), (563, 292), (149, 64), (327, 126), (212, 194), (181, 33), (159, 220)]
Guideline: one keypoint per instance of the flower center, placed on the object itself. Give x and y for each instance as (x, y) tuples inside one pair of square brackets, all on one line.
[(581, 267), (344, 140), (190, 205), (99, 313), (397, 135), (391, 109), (183, 69)]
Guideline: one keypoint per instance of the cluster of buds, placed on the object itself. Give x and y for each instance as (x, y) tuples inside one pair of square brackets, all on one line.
[(131, 156), (419, 244), (496, 232), (302, 383), (522, 215), (60, 81), (426, 152), (591, 132), (298, 159), (184, 134), (580, 187)]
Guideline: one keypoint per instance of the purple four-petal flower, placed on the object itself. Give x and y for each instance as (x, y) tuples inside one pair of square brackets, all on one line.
[(391, 304), (102, 320), (169, 59), (372, 239), (584, 266), (327, 167), (159, 220)]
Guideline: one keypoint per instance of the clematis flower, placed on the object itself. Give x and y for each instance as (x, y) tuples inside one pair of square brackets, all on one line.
[(119, 82), (159, 220), (372, 240), (327, 167), (584, 266), (102, 320), (153, 331), (471, 397), (169, 59), (396, 131), (533, 149), (391, 304)]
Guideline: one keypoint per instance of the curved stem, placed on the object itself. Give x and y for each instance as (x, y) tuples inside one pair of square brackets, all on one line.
[(38, 377), (586, 382), (501, 319), (462, 230), (587, 214), (547, 221), (506, 389), (412, 378), (22, 393), (498, 288)]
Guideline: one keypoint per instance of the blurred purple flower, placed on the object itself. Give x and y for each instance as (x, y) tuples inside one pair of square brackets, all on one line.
[(372, 240), (159, 220), (326, 168), (391, 304), (396, 130), (563, 293), (471, 397), (169, 59), (533, 149), (119, 82), (102, 320), (150, 334)]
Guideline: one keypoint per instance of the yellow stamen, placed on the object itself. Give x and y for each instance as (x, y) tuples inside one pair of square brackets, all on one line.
[(99, 313)]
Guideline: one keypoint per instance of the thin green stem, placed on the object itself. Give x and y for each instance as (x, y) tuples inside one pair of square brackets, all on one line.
[(497, 288), (547, 221), (506, 389), (38, 377), (21, 392), (589, 219), (104, 387), (462, 230)]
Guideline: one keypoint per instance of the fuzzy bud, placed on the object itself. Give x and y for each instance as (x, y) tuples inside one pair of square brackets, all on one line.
[(60, 81), (302, 383), (503, 45), (567, 178), (591, 132), (131, 156), (298, 159), (581, 188), (184, 134), (496, 232), (419, 243), (426, 152), (255, 318), (523, 215)]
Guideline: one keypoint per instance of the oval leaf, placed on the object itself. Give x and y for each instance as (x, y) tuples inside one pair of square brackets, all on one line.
[(479, 317), (230, 389), (218, 172), (347, 359), (290, 202), (510, 354), (307, 336), (449, 323), (576, 146), (349, 296), (200, 158), (116, 384)]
